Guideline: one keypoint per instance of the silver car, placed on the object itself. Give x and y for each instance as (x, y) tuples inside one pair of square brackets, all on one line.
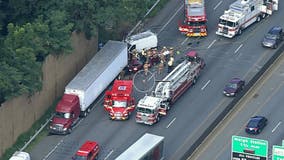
[(273, 38)]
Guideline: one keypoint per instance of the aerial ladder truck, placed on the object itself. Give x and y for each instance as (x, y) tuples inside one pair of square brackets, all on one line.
[(168, 91)]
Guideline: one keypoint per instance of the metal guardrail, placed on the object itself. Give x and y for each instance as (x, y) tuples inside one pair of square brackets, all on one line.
[(231, 105), (36, 133)]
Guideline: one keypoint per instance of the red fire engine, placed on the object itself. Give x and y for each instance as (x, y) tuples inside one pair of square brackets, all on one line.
[(195, 19), (119, 102), (89, 151)]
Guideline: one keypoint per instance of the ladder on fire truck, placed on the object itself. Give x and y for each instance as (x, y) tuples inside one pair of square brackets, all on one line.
[(172, 81)]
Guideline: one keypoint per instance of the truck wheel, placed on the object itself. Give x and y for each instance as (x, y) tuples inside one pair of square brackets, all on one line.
[(85, 113), (194, 80), (89, 110), (69, 130), (240, 31), (263, 15), (258, 18), (158, 119)]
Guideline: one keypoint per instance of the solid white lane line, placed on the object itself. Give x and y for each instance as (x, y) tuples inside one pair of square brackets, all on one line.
[(108, 155), (212, 43), (171, 122), (184, 41), (170, 20), (217, 5), (273, 130), (238, 48), (206, 84)]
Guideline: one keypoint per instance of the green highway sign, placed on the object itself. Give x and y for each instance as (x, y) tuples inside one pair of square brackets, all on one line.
[(278, 152), (249, 148)]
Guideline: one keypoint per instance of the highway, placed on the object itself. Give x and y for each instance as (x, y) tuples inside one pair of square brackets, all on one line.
[(265, 99), (191, 114)]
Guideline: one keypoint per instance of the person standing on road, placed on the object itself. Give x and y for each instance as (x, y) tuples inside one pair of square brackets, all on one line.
[(170, 64), (160, 67), (146, 68)]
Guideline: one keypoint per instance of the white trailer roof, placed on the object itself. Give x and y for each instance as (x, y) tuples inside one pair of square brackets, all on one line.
[(97, 65), (141, 147), (138, 36)]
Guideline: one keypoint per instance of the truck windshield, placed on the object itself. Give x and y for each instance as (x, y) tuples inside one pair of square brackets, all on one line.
[(76, 157), (119, 103), (145, 110), (196, 23), (62, 115), (227, 23)]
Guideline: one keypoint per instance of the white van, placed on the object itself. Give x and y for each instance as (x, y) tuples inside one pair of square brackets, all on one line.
[(19, 155), (140, 41)]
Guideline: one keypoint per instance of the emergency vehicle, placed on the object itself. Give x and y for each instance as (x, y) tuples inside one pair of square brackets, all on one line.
[(195, 19), (147, 110), (243, 13), (88, 151), (169, 90), (118, 101)]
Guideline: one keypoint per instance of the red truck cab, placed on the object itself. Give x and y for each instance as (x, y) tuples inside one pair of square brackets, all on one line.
[(88, 151), (118, 101), (66, 115)]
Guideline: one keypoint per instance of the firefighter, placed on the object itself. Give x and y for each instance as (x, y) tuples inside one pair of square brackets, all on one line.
[(171, 52), (143, 56), (149, 55), (160, 67), (162, 58), (155, 57), (170, 64), (146, 68)]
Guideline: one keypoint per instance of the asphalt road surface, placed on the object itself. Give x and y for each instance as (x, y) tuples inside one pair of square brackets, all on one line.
[(189, 117), (265, 99)]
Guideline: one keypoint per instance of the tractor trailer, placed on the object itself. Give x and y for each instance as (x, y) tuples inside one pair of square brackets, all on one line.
[(87, 85)]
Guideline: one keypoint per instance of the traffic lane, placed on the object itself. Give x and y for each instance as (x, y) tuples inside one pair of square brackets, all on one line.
[(263, 101), (192, 126), (272, 132), (170, 27)]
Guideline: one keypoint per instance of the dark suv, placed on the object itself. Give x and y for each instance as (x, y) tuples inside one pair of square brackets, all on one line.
[(273, 38), (256, 124)]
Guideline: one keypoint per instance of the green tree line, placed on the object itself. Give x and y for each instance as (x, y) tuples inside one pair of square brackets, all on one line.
[(32, 29)]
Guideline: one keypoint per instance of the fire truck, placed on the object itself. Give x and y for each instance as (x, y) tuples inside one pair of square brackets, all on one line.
[(147, 110), (169, 90), (195, 19), (118, 101), (243, 13)]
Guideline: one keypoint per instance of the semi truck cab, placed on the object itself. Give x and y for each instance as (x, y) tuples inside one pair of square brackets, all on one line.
[(66, 115)]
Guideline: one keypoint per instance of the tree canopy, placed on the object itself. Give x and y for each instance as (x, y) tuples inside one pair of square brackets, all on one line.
[(32, 29)]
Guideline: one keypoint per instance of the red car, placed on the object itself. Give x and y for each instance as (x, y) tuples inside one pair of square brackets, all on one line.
[(88, 151)]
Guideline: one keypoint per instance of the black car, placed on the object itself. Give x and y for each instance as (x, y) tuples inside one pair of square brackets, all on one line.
[(273, 38), (256, 124), (234, 86)]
